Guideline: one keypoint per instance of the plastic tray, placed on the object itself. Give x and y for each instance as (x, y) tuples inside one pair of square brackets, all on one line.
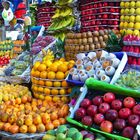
[(120, 55), (101, 87)]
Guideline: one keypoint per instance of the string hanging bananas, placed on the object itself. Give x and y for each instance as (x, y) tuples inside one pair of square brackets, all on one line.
[(49, 55)]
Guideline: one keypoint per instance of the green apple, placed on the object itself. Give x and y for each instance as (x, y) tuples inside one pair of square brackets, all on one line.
[(127, 4), (123, 31), (126, 11), (132, 19), (125, 25), (138, 11), (137, 18), (138, 4), (126, 18), (132, 4), (137, 26), (122, 18), (136, 32), (132, 11), (131, 25), (121, 25), (129, 32), (122, 11), (122, 4)]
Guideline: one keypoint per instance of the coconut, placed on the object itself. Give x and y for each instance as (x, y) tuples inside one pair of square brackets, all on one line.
[(96, 40), (100, 38), (78, 35), (98, 46), (105, 37), (96, 33), (82, 48), (101, 32), (92, 47), (84, 40), (86, 47), (84, 35), (103, 45), (90, 40), (89, 34)]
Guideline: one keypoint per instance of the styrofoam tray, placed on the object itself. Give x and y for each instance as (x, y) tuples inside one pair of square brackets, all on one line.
[(120, 55)]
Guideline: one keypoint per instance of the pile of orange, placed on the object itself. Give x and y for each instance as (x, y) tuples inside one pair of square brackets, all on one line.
[(47, 74), (29, 115)]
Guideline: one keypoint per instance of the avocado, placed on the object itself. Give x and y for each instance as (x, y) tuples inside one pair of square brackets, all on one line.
[(71, 132), (61, 129), (51, 132), (77, 136), (48, 137), (60, 136)]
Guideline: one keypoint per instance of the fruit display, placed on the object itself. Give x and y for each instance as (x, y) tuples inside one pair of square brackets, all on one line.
[(19, 65), (84, 42), (20, 113), (40, 43), (130, 79), (99, 15), (4, 61), (48, 77), (110, 113), (71, 133), (44, 13), (130, 17), (100, 65)]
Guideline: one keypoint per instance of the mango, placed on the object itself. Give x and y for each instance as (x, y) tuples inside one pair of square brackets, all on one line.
[(60, 136), (49, 137), (61, 129), (77, 136), (71, 132)]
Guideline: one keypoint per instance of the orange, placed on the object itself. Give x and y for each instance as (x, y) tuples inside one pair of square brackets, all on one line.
[(40, 89), (36, 95), (62, 59), (23, 129), (62, 68), (41, 127), (42, 67), (37, 74), (51, 75), (53, 67), (34, 81), (47, 91), (65, 99), (60, 75), (48, 98), (69, 90), (57, 84), (62, 91), (48, 83), (41, 82), (64, 84), (56, 123), (37, 63), (54, 92), (37, 120), (54, 116), (49, 126), (18, 101), (28, 121), (62, 121), (41, 97), (6, 127), (56, 99), (33, 72), (43, 75), (24, 99), (32, 129), (45, 118)]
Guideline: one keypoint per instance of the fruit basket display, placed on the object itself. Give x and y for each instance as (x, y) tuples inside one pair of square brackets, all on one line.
[(97, 15), (112, 109), (98, 66)]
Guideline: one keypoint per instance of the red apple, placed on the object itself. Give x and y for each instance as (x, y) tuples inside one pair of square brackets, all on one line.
[(119, 124), (87, 120), (106, 126), (92, 110), (112, 10), (133, 120), (109, 97), (124, 113), (136, 109), (85, 103), (128, 132), (80, 113), (134, 62), (105, 16), (129, 102), (97, 100), (111, 115), (136, 50), (99, 118), (116, 104), (104, 107)]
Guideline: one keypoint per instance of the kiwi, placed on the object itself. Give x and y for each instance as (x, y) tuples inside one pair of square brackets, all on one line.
[(103, 45), (84, 35), (96, 33), (86, 47), (92, 47), (95, 40), (89, 34), (98, 46), (101, 38), (105, 37), (101, 32), (90, 40), (84, 41), (82, 48)]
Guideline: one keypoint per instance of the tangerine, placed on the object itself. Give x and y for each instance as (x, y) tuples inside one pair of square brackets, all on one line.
[(64, 84), (43, 75), (40, 89), (42, 67), (62, 91), (56, 123), (24, 99), (48, 83), (62, 121), (49, 126), (41, 127), (51, 75), (33, 72), (60, 75), (32, 129), (57, 84), (23, 129), (47, 91), (63, 68), (48, 98), (37, 74), (53, 68), (65, 99), (53, 116), (54, 92), (41, 82), (37, 63), (18, 100), (56, 99)]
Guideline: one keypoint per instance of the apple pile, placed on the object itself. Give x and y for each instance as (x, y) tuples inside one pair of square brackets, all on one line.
[(134, 62), (110, 113), (4, 61), (130, 17), (97, 15), (44, 14)]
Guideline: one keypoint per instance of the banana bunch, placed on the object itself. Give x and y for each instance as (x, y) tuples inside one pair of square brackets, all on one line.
[(60, 35), (62, 12), (48, 55), (59, 24), (64, 2)]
